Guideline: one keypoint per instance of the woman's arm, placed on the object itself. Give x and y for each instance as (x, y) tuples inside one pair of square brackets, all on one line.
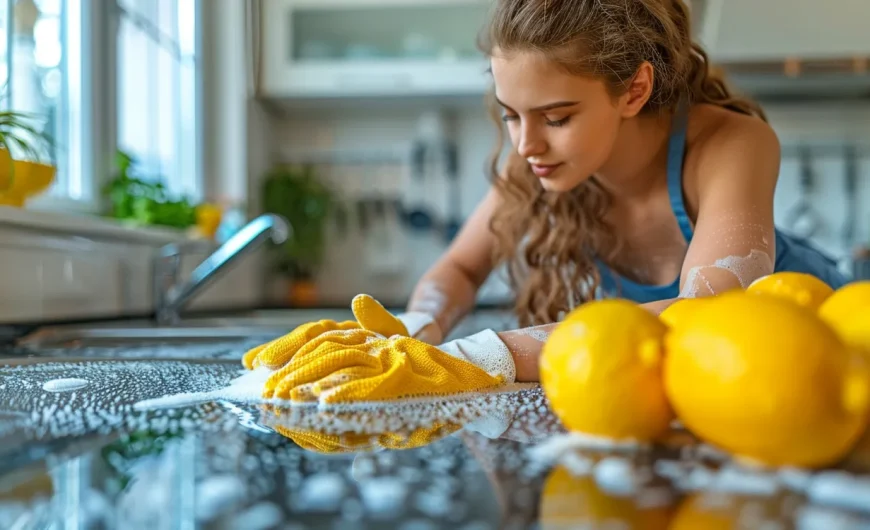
[(734, 241), (525, 346), (447, 291)]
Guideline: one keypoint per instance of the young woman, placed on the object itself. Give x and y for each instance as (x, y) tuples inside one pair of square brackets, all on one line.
[(635, 173)]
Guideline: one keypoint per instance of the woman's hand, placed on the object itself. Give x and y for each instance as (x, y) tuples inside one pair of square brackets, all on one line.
[(370, 315)]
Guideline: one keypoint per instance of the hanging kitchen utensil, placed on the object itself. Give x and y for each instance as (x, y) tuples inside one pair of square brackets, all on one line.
[(378, 223), (850, 176), (362, 215), (803, 219), (453, 223), (385, 252), (417, 216), (339, 218)]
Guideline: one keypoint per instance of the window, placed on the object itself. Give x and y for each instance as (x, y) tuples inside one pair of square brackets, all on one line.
[(57, 61), (157, 90)]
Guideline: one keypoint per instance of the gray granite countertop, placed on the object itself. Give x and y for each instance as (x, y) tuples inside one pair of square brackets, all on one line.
[(76, 453)]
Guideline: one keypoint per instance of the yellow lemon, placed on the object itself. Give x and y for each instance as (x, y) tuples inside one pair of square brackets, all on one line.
[(803, 289), (854, 330), (569, 501), (848, 312), (675, 313), (766, 380), (845, 300), (601, 371)]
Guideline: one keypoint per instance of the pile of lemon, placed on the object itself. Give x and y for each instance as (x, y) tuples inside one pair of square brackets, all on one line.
[(777, 374)]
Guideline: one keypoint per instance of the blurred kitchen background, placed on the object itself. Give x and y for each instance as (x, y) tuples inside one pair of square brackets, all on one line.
[(360, 121)]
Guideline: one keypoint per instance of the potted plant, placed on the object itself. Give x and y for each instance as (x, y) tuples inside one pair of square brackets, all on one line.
[(26, 161), (296, 194), (144, 201)]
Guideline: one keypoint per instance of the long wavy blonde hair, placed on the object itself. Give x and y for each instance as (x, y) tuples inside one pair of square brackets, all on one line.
[(549, 241)]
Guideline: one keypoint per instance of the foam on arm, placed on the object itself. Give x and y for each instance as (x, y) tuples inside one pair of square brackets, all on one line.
[(734, 241)]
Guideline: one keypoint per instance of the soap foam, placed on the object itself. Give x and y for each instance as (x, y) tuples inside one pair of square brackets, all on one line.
[(247, 388), (492, 416), (745, 268), (558, 446), (736, 231), (616, 476), (840, 490), (540, 335), (65, 384), (430, 298)]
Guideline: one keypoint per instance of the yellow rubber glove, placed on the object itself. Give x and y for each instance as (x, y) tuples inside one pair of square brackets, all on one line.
[(361, 369), (369, 314)]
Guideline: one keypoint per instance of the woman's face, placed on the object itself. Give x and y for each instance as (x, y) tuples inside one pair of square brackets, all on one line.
[(564, 125)]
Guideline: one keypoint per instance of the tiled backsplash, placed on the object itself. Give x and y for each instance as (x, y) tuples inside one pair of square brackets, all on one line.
[(352, 264)]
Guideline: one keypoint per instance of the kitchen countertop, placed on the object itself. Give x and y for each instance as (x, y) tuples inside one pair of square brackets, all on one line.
[(85, 456)]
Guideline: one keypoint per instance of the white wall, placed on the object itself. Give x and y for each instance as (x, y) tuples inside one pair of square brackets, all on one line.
[(350, 268)]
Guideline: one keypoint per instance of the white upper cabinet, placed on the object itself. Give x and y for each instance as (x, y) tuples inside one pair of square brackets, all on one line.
[(774, 30), (384, 48)]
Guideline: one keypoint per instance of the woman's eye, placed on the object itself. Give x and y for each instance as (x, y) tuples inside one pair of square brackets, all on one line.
[(558, 123), (508, 117)]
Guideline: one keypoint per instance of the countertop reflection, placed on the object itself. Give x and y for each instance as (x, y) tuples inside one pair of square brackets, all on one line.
[(75, 453)]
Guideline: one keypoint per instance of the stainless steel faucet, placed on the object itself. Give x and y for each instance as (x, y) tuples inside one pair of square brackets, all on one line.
[(170, 296)]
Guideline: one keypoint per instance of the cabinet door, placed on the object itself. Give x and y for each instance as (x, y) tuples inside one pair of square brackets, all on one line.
[(340, 48), (47, 284)]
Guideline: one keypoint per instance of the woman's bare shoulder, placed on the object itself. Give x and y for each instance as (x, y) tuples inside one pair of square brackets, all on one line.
[(718, 138)]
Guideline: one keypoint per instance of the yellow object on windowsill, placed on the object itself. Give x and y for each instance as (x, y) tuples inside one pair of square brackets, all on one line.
[(208, 219), (28, 180)]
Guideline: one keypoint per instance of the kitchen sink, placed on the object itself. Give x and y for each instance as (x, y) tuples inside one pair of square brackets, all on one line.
[(248, 327), (69, 337), (285, 319), (202, 336)]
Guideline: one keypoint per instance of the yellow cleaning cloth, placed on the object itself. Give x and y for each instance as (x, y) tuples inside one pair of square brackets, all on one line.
[(369, 313), (348, 369), (320, 351), (276, 353)]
